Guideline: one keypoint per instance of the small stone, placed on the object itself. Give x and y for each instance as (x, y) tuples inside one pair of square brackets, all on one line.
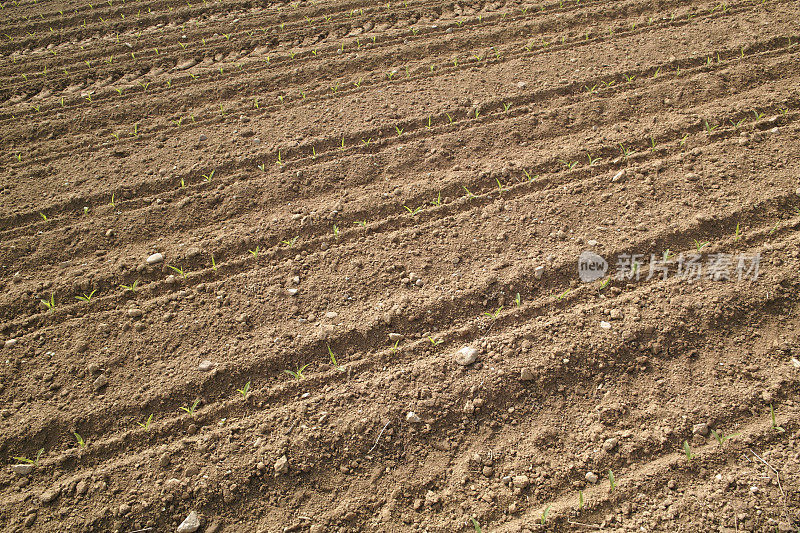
[(700, 429), (135, 313), (22, 469), (618, 176), (190, 524), (691, 176), (100, 382), (202, 137), (520, 482), (331, 315), (281, 466), (466, 356), (605, 325), (527, 374), (413, 418), (488, 471), (292, 292), (672, 484), (394, 337), (610, 444), (591, 477), (205, 366), (155, 259), (538, 272), (10, 343), (93, 369)]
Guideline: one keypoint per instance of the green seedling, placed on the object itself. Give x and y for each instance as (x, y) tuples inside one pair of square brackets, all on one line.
[(51, 303), (652, 144), (178, 270), (506, 107), (131, 287), (262, 167), (612, 481), (44, 217), (625, 151), (545, 513), (709, 127), (518, 300), (254, 253), (569, 164), (393, 349), (469, 195), (775, 425), (476, 526), (593, 160), (495, 314), (413, 211), (86, 297), (298, 373), (192, 408), (244, 391), (183, 183), (758, 115), (528, 175), (334, 363), (592, 89), (700, 245), (208, 176), (682, 142), (290, 242), (630, 78), (438, 200), (146, 423), (435, 342), (736, 124), (499, 185), (563, 294), (449, 118), (580, 500), (34, 462), (721, 437), (688, 451), (737, 233), (477, 113), (80, 440), (399, 131), (668, 254)]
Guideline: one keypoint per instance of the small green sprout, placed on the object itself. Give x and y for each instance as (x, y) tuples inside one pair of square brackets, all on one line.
[(758, 115), (336, 232), (86, 297), (44, 217), (476, 526), (563, 294), (545, 513), (51, 303), (244, 391), (709, 127), (518, 300), (506, 107), (569, 164), (775, 425), (580, 500), (688, 451), (34, 462), (435, 342), (469, 195), (131, 287), (208, 176), (80, 440), (700, 245), (413, 211), (593, 160), (291, 242), (399, 131), (298, 373), (178, 270), (494, 315), (254, 253), (721, 437), (737, 234), (192, 408), (146, 423), (604, 283), (393, 349), (612, 481), (438, 200), (682, 142), (334, 363), (362, 223)]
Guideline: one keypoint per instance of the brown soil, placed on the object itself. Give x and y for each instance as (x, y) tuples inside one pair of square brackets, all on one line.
[(300, 166)]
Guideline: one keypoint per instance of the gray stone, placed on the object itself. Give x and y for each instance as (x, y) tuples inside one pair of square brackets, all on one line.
[(466, 355), (155, 259), (190, 524), (413, 418), (22, 469), (281, 466)]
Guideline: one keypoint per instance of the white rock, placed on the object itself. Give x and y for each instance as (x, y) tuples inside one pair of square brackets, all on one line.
[(10, 343), (155, 259), (205, 366), (591, 477), (412, 418), (292, 292), (618, 176), (605, 325), (527, 374), (190, 524), (331, 314), (538, 272), (466, 355), (22, 469), (520, 482), (281, 466)]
